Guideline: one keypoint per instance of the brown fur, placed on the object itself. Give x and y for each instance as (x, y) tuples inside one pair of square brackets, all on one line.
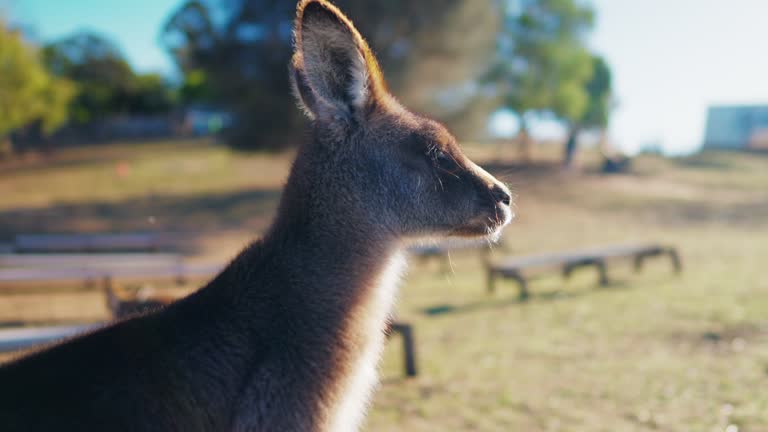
[(287, 337)]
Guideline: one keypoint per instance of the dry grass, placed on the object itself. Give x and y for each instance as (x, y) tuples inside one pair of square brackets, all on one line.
[(651, 352)]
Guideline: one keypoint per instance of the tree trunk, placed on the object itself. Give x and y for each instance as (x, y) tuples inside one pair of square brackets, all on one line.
[(524, 143), (6, 147), (571, 146), (602, 144)]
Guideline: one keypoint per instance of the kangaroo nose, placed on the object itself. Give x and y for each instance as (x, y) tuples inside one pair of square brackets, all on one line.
[(501, 195)]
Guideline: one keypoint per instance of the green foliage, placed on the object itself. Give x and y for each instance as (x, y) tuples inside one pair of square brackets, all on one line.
[(543, 63), (28, 94), (595, 110), (572, 69), (196, 87), (107, 84), (151, 94), (599, 88)]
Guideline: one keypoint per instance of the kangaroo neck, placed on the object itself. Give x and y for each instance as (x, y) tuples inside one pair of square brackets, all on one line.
[(331, 283), (326, 223), (332, 252)]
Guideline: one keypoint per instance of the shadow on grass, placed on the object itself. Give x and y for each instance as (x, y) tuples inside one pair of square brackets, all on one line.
[(250, 209)]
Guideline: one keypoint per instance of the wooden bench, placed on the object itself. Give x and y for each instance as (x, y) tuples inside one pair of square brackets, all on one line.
[(88, 261), (176, 270), (519, 268), (89, 257), (89, 243)]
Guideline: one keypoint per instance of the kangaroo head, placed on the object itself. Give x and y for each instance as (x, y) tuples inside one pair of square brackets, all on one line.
[(381, 161)]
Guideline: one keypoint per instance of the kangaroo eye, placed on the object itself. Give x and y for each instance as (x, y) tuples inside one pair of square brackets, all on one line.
[(439, 155)]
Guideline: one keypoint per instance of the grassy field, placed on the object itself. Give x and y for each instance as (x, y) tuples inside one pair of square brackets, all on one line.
[(651, 352)]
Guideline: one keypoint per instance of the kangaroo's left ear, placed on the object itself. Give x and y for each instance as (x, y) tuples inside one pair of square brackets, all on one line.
[(334, 72)]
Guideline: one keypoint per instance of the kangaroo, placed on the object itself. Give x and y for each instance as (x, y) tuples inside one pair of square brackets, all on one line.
[(287, 337)]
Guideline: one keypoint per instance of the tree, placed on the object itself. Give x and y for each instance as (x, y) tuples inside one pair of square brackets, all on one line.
[(239, 63), (107, 85), (597, 111), (542, 61), (28, 93), (151, 94), (103, 76), (242, 48)]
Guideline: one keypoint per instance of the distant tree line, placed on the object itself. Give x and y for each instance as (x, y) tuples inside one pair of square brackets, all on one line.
[(29, 94), (106, 84), (77, 80), (236, 52), (458, 60)]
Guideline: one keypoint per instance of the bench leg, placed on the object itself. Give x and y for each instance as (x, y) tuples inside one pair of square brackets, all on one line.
[(522, 283), (409, 351), (490, 280), (602, 272), (676, 262), (522, 286), (107, 283), (638, 260), (181, 280), (567, 271), (641, 256), (671, 252)]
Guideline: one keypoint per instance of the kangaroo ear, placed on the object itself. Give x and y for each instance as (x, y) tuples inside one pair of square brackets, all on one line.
[(334, 72), (300, 87)]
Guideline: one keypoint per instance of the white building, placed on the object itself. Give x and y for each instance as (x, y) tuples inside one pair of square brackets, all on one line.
[(737, 127)]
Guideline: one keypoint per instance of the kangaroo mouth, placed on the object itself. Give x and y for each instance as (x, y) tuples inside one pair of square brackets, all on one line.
[(501, 218), (488, 224)]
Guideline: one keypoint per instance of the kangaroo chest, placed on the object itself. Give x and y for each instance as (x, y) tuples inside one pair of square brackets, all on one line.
[(369, 323), (273, 399)]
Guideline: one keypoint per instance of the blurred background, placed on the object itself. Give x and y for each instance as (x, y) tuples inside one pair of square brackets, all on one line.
[(142, 142)]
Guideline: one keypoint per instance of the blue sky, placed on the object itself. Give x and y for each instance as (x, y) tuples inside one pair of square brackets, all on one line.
[(671, 58), (134, 24)]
